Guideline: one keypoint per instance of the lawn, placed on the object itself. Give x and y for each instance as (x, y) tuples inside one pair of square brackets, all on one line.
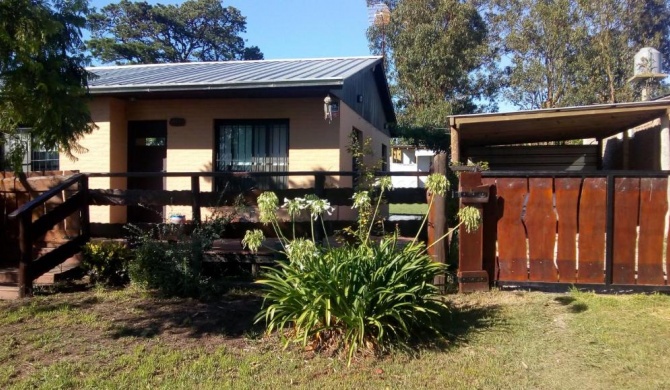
[(516, 340), (411, 209)]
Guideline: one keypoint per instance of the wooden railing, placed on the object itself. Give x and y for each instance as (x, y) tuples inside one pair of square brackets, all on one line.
[(30, 230), (80, 200), (197, 198)]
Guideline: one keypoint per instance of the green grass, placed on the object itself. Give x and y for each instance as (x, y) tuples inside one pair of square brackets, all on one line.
[(417, 209), (499, 340)]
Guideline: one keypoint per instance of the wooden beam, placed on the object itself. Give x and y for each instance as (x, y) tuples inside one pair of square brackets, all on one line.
[(195, 199), (455, 145), (665, 141), (562, 113)]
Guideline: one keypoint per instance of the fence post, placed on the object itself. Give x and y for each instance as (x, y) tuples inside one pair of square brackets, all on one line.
[(319, 190), (26, 246), (85, 212), (195, 198), (437, 222), (471, 274)]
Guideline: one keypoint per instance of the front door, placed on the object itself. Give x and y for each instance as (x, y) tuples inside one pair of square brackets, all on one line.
[(147, 151)]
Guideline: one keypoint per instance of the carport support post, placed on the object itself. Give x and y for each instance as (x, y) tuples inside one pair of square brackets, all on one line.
[(455, 146), (665, 141)]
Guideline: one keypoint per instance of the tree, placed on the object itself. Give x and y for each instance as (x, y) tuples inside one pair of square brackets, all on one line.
[(42, 74), (197, 30), (437, 52), (540, 39), (574, 52)]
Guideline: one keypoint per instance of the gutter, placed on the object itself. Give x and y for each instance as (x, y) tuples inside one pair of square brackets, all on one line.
[(149, 88)]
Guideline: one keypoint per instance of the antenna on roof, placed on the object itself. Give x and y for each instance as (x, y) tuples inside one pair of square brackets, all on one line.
[(379, 16)]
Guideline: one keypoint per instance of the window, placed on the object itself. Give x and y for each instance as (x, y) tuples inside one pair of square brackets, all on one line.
[(36, 157), (397, 155), (252, 146), (385, 158), (43, 159)]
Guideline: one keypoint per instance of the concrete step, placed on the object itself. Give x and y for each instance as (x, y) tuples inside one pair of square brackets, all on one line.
[(9, 292)]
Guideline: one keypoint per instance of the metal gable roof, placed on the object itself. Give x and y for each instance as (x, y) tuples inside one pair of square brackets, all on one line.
[(202, 76)]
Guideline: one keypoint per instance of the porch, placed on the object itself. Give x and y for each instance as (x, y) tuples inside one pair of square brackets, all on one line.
[(35, 220)]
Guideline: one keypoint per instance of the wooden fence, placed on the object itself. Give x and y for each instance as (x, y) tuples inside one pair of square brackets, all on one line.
[(15, 191), (61, 213), (197, 199), (604, 231)]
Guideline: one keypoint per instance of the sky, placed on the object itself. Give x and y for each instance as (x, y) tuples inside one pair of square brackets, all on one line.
[(299, 28), (285, 29)]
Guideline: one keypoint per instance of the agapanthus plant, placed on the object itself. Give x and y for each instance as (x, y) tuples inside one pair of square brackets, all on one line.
[(354, 296)]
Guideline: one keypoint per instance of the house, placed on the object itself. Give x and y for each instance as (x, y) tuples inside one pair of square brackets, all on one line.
[(409, 158), (268, 115)]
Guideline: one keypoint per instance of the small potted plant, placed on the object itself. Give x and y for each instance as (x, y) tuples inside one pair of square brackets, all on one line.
[(178, 219)]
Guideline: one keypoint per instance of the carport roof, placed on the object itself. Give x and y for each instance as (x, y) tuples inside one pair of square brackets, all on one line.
[(554, 124)]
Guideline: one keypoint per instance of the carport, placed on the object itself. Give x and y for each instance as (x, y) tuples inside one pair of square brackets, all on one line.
[(480, 136), (557, 216)]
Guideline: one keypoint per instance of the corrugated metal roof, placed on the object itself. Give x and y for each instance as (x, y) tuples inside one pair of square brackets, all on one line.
[(553, 124), (227, 75)]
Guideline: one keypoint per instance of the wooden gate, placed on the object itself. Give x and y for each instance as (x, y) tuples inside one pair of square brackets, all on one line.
[(605, 231)]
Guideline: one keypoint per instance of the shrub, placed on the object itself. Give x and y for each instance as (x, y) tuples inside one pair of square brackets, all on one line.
[(364, 295), (106, 262), (355, 295), (173, 267)]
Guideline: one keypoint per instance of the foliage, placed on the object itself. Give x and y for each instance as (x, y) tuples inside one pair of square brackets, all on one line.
[(574, 52), (365, 295), (437, 56), (171, 262), (365, 165), (106, 262), (358, 295), (437, 139), (197, 30), (452, 57), (44, 82)]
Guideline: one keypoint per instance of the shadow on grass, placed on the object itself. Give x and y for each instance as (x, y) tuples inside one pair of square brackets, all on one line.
[(458, 324), (231, 316), (565, 300), (464, 320), (572, 304), (54, 304)]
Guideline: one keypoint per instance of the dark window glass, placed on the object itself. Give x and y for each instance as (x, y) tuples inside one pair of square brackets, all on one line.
[(252, 146), (43, 159)]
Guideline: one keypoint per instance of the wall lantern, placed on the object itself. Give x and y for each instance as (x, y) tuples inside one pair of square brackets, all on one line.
[(331, 108), (177, 122)]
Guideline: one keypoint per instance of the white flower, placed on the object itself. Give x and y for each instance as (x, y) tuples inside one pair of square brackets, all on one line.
[(361, 200)]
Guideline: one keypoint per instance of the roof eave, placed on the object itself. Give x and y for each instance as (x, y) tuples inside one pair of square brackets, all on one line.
[(107, 90), (456, 120)]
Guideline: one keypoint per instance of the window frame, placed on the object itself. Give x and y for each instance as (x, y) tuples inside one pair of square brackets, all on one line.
[(270, 182)]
